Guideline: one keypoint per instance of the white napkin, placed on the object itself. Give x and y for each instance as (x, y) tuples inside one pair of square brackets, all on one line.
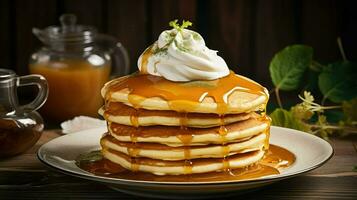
[(81, 123)]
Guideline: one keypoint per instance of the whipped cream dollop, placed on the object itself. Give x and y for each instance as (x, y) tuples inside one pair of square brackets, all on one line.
[(181, 55)]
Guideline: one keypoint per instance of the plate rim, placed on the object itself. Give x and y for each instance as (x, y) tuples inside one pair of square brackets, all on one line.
[(110, 180)]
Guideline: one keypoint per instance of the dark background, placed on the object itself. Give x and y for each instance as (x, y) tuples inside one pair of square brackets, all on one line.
[(247, 33)]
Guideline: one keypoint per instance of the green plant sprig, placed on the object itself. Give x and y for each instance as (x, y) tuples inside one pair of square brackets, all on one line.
[(299, 117), (179, 29), (175, 25), (309, 104)]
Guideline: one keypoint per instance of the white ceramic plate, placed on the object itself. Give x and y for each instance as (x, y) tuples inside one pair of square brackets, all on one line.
[(60, 153)]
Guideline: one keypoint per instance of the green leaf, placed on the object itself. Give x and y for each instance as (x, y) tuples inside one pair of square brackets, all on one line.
[(287, 66), (185, 24), (338, 81), (349, 110), (284, 118), (354, 168), (176, 26)]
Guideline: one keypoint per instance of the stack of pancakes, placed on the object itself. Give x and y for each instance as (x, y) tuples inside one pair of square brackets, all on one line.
[(149, 133)]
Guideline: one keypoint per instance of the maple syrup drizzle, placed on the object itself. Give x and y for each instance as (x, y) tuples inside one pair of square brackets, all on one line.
[(185, 138), (223, 131), (134, 165), (134, 120), (225, 150), (267, 120), (184, 135), (225, 162), (183, 120), (187, 152), (145, 59), (135, 101), (133, 152), (133, 137), (183, 97), (188, 167)]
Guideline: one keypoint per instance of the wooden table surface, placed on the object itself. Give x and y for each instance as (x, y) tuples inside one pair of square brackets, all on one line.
[(25, 177)]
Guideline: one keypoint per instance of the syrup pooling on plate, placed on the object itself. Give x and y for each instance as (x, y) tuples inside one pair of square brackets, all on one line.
[(184, 97), (275, 160), (278, 157)]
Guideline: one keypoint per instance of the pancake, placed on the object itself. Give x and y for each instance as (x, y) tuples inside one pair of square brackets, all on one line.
[(200, 165), (164, 152), (174, 136), (184, 112), (230, 94), (126, 115)]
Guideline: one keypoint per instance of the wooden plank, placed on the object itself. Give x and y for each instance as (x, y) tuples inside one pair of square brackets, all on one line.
[(41, 186), (6, 39), (127, 21), (304, 187), (28, 160), (229, 30), (275, 28), (319, 28), (161, 12), (88, 12), (29, 14)]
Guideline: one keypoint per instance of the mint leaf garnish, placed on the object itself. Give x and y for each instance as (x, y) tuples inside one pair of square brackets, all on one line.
[(176, 26)]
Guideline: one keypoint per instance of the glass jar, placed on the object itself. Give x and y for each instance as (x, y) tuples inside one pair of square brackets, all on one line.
[(77, 62), (20, 125)]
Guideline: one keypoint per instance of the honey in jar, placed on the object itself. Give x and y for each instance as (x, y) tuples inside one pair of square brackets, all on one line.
[(76, 61), (74, 87)]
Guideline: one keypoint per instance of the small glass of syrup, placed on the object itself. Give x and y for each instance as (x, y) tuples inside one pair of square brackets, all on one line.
[(20, 125)]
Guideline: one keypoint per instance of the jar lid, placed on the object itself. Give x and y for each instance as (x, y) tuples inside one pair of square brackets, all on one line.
[(68, 32)]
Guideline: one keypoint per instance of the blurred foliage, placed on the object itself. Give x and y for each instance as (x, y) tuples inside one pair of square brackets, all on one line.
[(336, 83)]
